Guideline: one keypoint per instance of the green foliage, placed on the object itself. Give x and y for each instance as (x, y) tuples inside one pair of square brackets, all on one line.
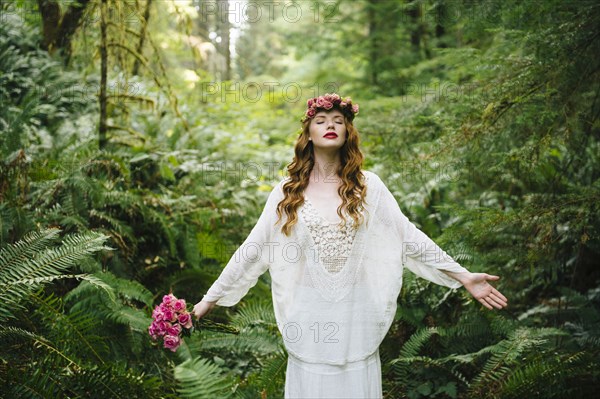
[(257, 355), (200, 379), (26, 265), (69, 348), (481, 117)]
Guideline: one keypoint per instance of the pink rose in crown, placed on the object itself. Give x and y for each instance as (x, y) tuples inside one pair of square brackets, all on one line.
[(310, 102), (320, 102), (310, 113), (328, 105), (355, 108)]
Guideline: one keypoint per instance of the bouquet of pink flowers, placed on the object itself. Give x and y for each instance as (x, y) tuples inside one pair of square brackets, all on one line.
[(172, 321)]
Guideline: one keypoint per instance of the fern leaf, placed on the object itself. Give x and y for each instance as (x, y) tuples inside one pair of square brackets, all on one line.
[(32, 243), (199, 378), (21, 275)]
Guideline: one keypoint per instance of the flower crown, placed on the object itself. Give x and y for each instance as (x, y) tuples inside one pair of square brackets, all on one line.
[(327, 102)]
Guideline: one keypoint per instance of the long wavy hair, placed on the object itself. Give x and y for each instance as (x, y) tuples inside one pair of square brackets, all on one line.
[(352, 190)]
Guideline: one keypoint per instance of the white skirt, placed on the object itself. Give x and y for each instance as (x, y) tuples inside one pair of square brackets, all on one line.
[(360, 380)]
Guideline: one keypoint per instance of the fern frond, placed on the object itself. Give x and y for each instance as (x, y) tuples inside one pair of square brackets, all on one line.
[(80, 330), (17, 253), (19, 279), (200, 378), (114, 381), (416, 341), (255, 340), (270, 379), (255, 313), (15, 334), (506, 353), (552, 376)]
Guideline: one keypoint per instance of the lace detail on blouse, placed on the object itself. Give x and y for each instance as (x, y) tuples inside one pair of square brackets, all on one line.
[(334, 241)]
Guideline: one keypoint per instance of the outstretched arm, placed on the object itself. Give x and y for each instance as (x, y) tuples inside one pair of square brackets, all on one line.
[(478, 286), (426, 259)]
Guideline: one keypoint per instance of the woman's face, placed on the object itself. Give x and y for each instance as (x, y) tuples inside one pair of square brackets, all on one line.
[(327, 129)]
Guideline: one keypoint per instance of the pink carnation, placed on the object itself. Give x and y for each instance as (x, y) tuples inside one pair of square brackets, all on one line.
[(172, 342)]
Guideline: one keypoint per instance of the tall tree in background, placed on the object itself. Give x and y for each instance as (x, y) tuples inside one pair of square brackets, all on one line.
[(223, 30), (374, 44), (142, 37), (417, 28), (259, 45), (384, 47), (58, 30)]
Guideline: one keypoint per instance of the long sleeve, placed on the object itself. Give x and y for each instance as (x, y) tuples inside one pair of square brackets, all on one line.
[(420, 254), (249, 261)]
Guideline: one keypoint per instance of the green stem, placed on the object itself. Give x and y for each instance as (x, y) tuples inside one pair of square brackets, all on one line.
[(204, 324)]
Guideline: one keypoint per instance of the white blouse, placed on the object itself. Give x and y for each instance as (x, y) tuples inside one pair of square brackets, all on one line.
[(334, 291), (333, 241)]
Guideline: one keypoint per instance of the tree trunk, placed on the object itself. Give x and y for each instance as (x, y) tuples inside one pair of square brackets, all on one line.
[(68, 26), (103, 76), (223, 29), (373, 42), (50, 12), (140, 47), (414, 13), (58, 31)]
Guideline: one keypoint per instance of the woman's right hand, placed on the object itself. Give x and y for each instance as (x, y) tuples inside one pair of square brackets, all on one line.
[(202, 308)]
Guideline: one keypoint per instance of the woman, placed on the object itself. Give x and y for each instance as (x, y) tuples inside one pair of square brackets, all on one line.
[(335, 243)]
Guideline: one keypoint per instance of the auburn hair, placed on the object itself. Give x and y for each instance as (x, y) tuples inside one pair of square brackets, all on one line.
[(352, 190)]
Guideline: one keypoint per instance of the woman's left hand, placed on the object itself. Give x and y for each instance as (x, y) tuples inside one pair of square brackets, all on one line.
[(478, 286)]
